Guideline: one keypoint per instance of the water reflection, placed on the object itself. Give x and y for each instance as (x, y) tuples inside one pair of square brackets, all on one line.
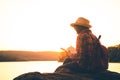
[(9, 70)]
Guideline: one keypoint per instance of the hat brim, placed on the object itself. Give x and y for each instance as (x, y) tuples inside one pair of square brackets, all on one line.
[(85, 25)]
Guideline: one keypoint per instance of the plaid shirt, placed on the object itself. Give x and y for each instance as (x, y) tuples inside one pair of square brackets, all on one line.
[(84, 48)]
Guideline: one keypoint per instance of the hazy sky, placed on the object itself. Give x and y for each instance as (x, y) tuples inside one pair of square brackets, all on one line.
[(45, 24)]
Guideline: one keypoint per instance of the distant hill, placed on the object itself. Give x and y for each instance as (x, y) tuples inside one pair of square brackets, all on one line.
[(28, 56), (114, 55)]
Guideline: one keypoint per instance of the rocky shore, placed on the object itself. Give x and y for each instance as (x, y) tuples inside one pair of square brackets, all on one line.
[(106, 75), (70, 72)]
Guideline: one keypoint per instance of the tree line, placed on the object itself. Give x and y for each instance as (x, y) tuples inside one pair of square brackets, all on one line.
[(114, 53)]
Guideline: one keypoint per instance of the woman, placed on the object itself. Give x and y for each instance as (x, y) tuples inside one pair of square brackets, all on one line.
[(86, 56)]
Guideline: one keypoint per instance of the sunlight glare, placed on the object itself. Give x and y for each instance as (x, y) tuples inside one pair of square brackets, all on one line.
[(37, 25)]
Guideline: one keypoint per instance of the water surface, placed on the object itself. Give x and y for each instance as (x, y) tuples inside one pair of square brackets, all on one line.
[(9, 70)]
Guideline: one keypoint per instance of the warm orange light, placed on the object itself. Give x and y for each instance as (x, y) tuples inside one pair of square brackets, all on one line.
[(37, 25)]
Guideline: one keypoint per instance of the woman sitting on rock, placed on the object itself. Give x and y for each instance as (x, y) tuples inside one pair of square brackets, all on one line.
[(87, 57)]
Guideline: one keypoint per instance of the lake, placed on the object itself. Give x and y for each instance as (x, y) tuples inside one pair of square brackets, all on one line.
[(10, 70)]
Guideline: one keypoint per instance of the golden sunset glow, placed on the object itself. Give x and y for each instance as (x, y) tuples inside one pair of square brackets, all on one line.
[(39, 25)]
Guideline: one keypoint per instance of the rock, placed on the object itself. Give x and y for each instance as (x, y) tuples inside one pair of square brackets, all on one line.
[(106, 75), (70, 71)]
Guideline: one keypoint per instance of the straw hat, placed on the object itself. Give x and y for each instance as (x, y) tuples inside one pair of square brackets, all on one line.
[(82, 22)]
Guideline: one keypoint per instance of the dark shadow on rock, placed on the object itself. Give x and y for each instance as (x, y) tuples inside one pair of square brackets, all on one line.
[(106, 75), (29, 76)]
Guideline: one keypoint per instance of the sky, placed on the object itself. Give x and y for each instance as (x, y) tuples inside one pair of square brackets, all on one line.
[(40, 25)]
